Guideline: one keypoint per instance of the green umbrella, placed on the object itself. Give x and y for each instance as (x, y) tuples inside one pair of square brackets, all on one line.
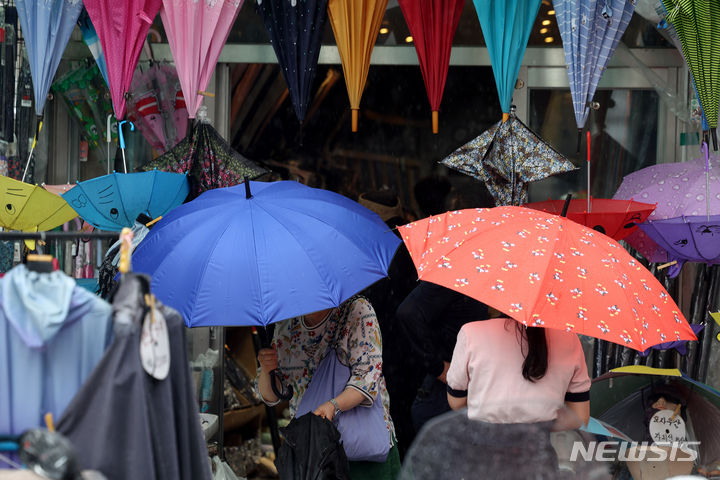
[(697, 23)]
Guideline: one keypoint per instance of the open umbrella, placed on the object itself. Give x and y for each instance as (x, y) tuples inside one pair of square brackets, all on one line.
[(506, 26), (548, 271), (30, 208), (590, 31), (122, 28), (506, 157), (432, 24), (114, 201), (258, 253), (356, 24), (697, 24), (208, 159), (295, 30), (197, 31), (46, 27)]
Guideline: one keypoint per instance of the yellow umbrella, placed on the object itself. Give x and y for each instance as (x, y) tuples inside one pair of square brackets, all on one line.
[(31, 208), (356, 24)]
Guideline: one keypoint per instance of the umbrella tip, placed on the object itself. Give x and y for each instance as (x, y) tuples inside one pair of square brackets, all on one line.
[(505, 117), (248, 195), (435, 122)]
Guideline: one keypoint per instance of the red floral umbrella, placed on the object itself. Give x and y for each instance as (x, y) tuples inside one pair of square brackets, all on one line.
[(432, 24), (548, 271)]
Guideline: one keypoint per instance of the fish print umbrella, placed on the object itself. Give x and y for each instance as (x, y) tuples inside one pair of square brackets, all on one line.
[(356, 24), (590, 31), (295, 28), (208, 160), (259, 253), (122, 28), (506, 26), (30, 208), (432, 24), (114, 201), (197, 31), (506, 157), (697, 24), (548, 271)]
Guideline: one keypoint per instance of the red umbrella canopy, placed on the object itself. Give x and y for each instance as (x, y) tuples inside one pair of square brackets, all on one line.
[(122, 26), (548, 271), (432, 24)]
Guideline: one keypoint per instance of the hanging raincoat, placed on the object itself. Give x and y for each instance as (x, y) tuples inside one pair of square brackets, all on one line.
[(52, 334)]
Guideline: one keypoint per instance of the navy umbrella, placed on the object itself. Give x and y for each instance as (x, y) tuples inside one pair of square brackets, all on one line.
[(295, 28)]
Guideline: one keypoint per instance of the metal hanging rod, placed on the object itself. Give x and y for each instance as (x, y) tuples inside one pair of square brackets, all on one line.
[(59, 235)]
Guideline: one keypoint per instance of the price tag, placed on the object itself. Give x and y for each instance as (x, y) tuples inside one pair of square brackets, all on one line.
[(155, 343)]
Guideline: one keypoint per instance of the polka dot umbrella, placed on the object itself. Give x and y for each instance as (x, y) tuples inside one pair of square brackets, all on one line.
[(548, 271)]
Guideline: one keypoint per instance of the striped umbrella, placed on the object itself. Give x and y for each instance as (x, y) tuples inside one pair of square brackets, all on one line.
[(697, 23)]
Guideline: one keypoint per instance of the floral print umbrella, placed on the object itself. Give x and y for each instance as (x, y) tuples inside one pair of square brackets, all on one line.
[(506, 157), (548, 271), (208, 160)]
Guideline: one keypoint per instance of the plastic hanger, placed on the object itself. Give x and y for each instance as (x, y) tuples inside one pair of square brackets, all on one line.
[(39, 263)]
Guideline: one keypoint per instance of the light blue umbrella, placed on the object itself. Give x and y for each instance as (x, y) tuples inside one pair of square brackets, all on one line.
[(506, 26), (114, 201), (590, 32), (91, 39)]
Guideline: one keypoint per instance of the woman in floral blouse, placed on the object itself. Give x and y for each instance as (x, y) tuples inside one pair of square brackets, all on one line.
[(301, 343)]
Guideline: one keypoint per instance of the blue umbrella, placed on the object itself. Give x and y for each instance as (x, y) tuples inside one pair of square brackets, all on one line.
[(506, 26), (114, 201), (91, 39), (232, 258), (295, 28), (590, 31)]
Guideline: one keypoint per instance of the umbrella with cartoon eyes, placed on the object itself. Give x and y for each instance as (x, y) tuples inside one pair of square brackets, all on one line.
[(31, 208)]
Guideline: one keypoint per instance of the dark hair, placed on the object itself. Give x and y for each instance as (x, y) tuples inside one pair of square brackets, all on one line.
[(536, 359)]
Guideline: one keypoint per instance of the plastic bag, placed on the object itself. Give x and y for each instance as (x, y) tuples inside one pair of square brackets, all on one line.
[(222, 470)]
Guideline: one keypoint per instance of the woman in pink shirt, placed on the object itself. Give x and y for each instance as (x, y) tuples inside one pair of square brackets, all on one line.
[(504, 372)]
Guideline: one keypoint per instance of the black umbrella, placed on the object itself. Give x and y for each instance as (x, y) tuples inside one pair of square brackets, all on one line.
[(295, 28)]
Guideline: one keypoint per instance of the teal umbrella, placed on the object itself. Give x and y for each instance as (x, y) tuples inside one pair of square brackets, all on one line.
[(506, 26)]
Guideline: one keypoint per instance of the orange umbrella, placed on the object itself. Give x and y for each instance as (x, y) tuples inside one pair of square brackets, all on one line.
[(356, 24), (548, 271)]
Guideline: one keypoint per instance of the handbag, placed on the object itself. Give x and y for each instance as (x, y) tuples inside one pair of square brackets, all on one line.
[(363, 431)]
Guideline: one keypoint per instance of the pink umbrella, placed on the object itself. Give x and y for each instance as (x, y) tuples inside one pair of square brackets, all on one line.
[(197, 31), (176, 102), (122, 27)]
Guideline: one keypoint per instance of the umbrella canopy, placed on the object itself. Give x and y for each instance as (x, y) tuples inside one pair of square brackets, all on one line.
[(30, 208), (91, 39), (58, 189), (46, 27), (114, 201), (356, 24), (697, 24), (506, 26), (122, 28), (548, 271), (432, 24), (197, 31), (590, 31), (230, 258), (295, 30), (620, 397), (615, 218), (208, 160), (506, 157)]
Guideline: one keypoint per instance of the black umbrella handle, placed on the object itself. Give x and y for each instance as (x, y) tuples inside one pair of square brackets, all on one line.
[(285, 392)]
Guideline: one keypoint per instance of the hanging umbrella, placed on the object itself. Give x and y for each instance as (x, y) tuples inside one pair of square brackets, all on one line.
[(58, 189), (356, 24), (197, 31), (122, 28), (621, 396), (46, 27), (506, 26), (207, 158), (29, 208), (432, 24), (548, 271), (590, 32), (176, 102), (615, 218), (506, 157), (295, 30), (90, 37), (258, 253), (114, 201), (697, 24)]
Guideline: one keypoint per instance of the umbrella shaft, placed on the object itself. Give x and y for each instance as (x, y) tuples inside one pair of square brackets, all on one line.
[(27, 164)]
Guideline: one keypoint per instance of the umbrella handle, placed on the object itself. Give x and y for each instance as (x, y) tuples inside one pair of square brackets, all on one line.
[(285, 392)]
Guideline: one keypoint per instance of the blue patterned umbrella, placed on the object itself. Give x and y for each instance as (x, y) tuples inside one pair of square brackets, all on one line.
[(91, 39), (590, 31)]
